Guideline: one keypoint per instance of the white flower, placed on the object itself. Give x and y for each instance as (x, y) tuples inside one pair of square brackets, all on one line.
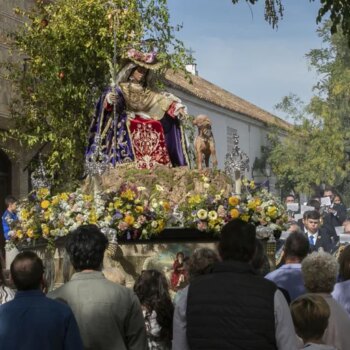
[(217, 197), (202, 214), (212, 215), (159, 188), (154, 224), (206, 185)]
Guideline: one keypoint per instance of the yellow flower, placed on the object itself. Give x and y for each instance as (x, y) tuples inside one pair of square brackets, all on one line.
[(196, 199), (55, 200), (245, 217), (87, 198), (234, 213), (257, 201), (129, 219), (252, 204), (45, 204), (139, 209), (45, 229), (47, 214), (128, 194), (43, 192), (92, 217), (272, 211), (30, 233), (252, 185), (19, 234), (233, 201), (202, 214), (64, 196), (118, 203), (161, 225), (24, 214)]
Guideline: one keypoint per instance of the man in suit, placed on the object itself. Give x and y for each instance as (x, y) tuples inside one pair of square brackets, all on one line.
[(318, 236), (337, 211)]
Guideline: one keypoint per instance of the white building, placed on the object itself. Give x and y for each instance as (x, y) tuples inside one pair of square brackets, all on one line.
[(230, 115)]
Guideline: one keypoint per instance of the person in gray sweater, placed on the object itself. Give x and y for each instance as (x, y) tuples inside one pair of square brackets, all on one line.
[(109, 315)]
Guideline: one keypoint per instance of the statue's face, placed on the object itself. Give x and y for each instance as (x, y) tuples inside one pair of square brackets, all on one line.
[(139, 73)]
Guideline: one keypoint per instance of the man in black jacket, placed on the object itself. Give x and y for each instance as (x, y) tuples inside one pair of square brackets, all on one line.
[(234, 308)]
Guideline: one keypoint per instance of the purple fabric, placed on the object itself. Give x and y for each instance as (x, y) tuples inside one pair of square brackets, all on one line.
[(173, 140), (116, 141)]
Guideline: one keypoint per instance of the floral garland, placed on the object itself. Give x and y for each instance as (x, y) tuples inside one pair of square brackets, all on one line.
[(133, 212)]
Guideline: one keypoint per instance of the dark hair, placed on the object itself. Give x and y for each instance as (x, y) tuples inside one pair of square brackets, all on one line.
[(200, 261), (259, 255), (153, 292), (27, 271), (314, 203), (289, 195), (329, 189), (180, 253), (85, 247), (237, 241), (297, 245), (310, 314), (10, 200), (344, 264), (312, 214)]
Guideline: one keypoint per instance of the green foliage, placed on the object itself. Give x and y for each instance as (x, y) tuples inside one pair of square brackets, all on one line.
[(338, 11), (316, 150), (67, 45)]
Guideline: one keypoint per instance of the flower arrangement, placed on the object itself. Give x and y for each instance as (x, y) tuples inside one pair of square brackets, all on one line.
[(136, 212)]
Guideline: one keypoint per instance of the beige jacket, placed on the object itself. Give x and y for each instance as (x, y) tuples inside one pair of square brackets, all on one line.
[(109, 315)]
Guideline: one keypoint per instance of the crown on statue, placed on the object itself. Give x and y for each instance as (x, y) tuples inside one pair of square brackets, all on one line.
[(144, 59)]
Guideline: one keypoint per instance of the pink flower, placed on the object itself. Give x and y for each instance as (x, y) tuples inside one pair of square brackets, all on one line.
[(122, 226)]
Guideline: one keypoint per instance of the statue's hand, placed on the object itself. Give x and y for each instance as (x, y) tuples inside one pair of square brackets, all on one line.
[(112, 98)]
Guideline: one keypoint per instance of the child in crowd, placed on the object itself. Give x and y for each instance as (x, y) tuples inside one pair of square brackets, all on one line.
[(153, 292), (9, 216), (310, 313)]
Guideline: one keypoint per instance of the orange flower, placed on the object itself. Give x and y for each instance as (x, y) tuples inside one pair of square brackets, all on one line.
[(233, 201), (129, 219), (234, 213)]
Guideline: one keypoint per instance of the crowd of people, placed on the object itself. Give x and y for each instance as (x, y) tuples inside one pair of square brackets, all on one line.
[(225, 299)]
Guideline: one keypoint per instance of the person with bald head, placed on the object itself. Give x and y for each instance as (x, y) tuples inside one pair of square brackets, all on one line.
[(31, 320)]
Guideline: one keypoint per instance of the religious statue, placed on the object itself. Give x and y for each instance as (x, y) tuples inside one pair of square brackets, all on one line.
[(179, 274), (134, 123), (204, 143)]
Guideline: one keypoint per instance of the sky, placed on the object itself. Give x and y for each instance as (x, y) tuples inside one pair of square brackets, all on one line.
[(237, 50)]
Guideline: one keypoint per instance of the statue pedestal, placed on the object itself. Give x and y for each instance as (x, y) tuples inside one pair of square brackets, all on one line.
[(131, 257)]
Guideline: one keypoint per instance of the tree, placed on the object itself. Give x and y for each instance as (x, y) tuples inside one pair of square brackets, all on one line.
[(316, 149), (338, 10), (67, 46)]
